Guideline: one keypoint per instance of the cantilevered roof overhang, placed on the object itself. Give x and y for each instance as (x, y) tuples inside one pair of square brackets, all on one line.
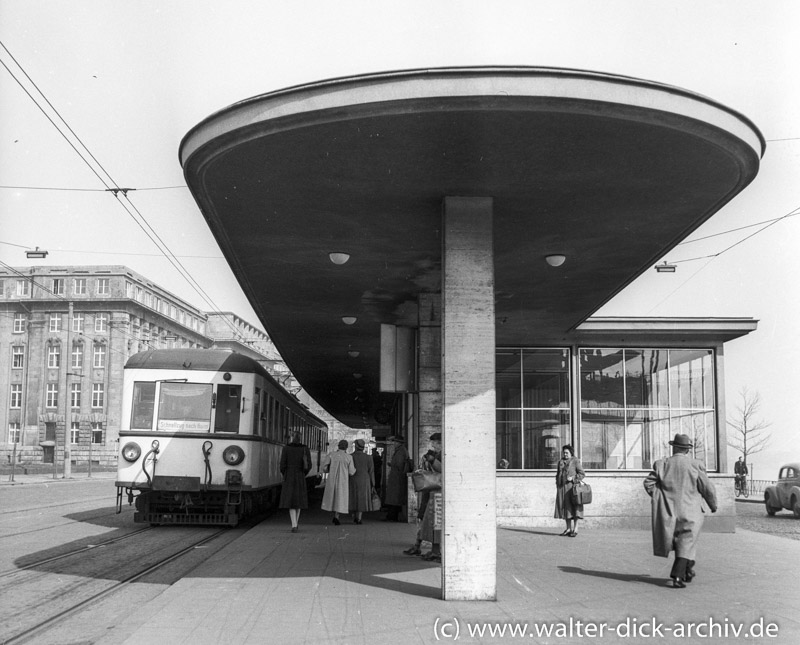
[(609, 171)]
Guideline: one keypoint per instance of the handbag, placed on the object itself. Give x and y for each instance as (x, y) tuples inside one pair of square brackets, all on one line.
[(375, 501), (426, 480), (582, 493)]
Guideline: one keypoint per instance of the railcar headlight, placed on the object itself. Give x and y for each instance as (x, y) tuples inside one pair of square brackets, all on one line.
[(233, 455), (131, 452)]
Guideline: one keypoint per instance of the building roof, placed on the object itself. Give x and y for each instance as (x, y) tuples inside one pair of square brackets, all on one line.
[(609, 171)]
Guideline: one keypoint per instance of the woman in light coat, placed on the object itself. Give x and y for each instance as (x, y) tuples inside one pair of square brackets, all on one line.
[(568, 473), (339, 466), (678, 485)]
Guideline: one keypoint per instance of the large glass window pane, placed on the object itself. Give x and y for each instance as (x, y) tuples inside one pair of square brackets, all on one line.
[(507, 378), (602, 434), (545, 378), (508, 432), (602, 378), (691, 379), (546, 431), (184, 407), (646, 378)]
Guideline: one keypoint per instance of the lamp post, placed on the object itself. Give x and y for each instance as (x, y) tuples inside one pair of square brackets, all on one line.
[(67, 425)]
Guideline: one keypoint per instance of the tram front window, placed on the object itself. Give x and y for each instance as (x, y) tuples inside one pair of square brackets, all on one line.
[(184, 407)]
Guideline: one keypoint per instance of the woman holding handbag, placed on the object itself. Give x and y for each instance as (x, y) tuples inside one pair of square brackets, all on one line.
[(569, 472)]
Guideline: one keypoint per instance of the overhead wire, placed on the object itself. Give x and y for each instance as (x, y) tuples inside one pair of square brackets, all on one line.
[(110, 184)]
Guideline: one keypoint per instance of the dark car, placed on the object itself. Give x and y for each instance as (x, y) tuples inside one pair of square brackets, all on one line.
[(785, 493)]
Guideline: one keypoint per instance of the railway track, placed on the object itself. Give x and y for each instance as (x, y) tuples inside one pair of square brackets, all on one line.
[(45, 593)]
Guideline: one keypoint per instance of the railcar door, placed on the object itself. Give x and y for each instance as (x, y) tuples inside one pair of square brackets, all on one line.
[(229, 399)]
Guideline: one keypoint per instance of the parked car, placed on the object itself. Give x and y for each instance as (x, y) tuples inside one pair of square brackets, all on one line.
[(785, 493)]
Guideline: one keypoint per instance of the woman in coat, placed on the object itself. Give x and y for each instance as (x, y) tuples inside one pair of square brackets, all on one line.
[(339, 466), (397, 480), (678, 485), (295, 464), (569, 473), (362, 483)]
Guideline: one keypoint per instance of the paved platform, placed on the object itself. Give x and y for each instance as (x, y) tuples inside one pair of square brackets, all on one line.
[(351, 584)]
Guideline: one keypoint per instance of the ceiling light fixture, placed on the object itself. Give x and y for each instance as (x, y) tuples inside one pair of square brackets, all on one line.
[(357, 375), (349, 320), (353, 354), (555, 260), (339, 258), (666, 268)]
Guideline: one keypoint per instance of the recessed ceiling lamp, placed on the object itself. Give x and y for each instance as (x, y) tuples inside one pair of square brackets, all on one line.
[(357, 375), (349, 320), (665, 268), (555, 260), (353, 354), (339, 258)]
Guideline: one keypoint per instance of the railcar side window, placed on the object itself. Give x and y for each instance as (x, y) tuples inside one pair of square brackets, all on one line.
[(229, 399), (184, 407), (144, 400)]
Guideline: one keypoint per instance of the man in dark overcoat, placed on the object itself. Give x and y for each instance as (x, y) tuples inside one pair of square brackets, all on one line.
[(397, 481), (678, 487)]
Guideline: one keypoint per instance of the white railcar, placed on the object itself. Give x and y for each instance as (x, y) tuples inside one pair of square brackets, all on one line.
[(201, 436)]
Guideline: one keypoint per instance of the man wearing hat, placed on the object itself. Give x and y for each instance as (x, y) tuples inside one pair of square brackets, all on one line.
[(678, 485)]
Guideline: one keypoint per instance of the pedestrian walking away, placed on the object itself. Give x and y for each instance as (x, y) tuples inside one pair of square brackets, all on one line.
[(678, 487), (295, 465), (362, 483), (339, 466), (568, 473)]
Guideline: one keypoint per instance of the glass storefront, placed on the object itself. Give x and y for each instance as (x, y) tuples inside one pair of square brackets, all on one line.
[(631, 403), (533, 406)]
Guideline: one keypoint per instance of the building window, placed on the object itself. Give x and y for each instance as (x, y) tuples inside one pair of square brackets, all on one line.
[(13, 432), (77, 356), (55, 323), (97, 433), (54, 356), (101, 322), (23, 288), (52, 395), (75, 433), (533, 406), (75, 395), (103, 287), (79, 286), (99, 355), (77, 323), (58, 286), (98, 395), (633, 401), (20, 322), (16, 396), (17, 356)]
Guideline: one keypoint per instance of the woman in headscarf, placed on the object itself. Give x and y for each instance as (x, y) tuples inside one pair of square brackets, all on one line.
[(295, 465), (339, 466), (569, 473), (362, 483)]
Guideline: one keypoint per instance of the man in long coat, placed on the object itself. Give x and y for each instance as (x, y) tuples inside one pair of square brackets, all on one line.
[(678, 486), (397, 480)]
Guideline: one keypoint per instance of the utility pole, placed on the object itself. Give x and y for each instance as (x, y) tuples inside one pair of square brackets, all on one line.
[(67, 424)]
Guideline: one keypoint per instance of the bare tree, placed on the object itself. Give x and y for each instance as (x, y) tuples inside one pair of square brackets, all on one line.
[(749, 437)]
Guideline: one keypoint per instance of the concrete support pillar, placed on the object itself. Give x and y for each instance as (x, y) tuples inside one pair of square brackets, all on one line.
[(469, 569)]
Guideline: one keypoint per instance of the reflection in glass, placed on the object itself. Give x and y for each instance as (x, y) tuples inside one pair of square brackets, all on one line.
[(184, 407)]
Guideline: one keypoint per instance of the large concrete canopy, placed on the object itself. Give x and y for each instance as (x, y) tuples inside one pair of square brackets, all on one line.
[(609, 171)]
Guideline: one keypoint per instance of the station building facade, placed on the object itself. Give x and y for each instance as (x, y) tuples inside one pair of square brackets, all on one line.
[(65, 336), (617, 391)]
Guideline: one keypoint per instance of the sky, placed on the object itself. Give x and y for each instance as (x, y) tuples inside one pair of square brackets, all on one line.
[(131, 78)]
